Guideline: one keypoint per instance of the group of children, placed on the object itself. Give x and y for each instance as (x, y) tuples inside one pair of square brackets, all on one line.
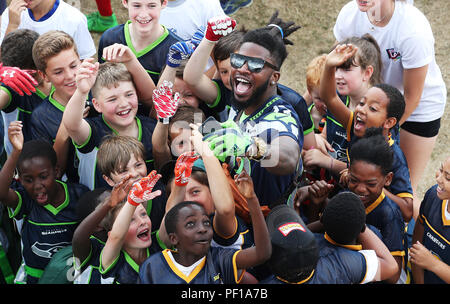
[(112, 161)]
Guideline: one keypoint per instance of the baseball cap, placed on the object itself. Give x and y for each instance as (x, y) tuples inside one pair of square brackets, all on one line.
[(294, 248)]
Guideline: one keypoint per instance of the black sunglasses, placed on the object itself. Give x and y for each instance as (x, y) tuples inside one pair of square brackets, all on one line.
[(255, 65)]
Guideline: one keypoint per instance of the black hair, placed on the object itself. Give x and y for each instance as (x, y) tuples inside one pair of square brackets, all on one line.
[(396, 106), (344, 218), (17, 49), (374, 149), (89, 201), (272, 38), (37, 148), (171, 219), (228, 44)]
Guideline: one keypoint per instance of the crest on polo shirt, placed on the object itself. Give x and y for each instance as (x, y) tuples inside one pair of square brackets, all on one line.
[(393, 54)]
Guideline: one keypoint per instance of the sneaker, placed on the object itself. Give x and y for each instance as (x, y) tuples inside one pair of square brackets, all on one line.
[(99, 23)]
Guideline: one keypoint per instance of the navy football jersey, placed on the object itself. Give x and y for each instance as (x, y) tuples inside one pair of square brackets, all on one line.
[(87, 152), (220, 108), (436, 234), (338, 264), (20, 108), (124, 270), (241, 239), (88, 271), (46, 229), (275, 118), (153, 58), (218, 267), (385, 215)]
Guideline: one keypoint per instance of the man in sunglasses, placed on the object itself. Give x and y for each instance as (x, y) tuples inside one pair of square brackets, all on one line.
[(261, 126)]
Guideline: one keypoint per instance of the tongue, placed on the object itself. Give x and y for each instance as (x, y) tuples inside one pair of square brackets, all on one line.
[(242, 87)]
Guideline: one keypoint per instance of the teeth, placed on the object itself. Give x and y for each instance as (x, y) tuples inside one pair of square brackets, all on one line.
[(123, 112), (242, 80), (143, 21)]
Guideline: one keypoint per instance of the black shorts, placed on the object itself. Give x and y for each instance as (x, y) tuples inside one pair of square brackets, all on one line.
[(424, 129)]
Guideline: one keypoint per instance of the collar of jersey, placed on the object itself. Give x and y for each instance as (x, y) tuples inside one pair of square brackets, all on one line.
[(56, 210), (46, 16), (260, 112), (375, 203), (55, 102), (300, 282), (138, 121), (149, 47), (131, 262), (351, 247), (445, 221), (181, 275)]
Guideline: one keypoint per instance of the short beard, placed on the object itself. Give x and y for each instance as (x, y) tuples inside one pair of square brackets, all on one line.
[(253, 100)]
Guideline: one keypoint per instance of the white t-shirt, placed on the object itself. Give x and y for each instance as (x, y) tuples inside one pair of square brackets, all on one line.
[(185, 17), (65, 18), (406, 42)]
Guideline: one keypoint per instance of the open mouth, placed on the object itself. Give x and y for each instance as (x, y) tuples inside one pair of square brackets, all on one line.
[(143, 21), (41, 198), (124, 113), (144, 235), (242, 86), (359, 124)]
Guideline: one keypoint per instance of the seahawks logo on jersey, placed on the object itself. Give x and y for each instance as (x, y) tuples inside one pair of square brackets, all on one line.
[(46, 250)]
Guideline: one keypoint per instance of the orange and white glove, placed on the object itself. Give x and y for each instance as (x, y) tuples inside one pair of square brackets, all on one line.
[(142, 190), (183, 167), (218, 27)]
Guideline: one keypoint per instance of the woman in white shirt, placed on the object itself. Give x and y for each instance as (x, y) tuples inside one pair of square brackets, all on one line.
[(407, 49)]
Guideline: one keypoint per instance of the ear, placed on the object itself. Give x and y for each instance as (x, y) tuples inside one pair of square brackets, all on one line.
[(389, 123), (388, 179), (368, 73), (43, 76), (275, 76), (125, 3), (163, 4), (96, 104), (108, 180), (58, 171), (173, 239)]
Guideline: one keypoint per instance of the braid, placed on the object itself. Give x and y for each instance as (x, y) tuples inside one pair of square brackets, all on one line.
[(287, 28)]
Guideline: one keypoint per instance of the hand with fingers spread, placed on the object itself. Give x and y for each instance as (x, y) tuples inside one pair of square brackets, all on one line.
[(142, 190), (120, 191), (183, 167), (165, 102), (340, 54), (218, 27), (19, 80), (179, 52)]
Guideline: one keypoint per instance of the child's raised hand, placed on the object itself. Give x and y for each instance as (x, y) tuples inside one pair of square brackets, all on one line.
[(244, 183), (340, 54), (15, 135), (200, 146), (118, 53), (165, 102), (142, 190), (179, 52), (218, 27), (183, 167), (120, 191), (86, 75)]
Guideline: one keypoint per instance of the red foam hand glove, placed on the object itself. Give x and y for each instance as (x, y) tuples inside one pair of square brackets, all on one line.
[(18, 80), (142, 190), (183, 167), (166, 103), (218, 27)]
